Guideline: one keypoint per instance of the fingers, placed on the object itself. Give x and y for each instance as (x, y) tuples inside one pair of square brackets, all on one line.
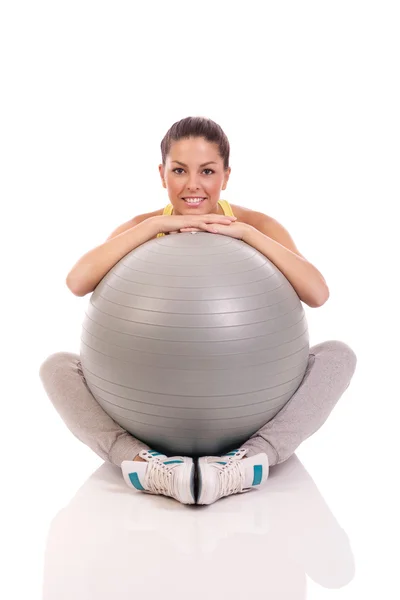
[(218, 218), (229, 218), (208, 227), (204, 227), (206, 223)]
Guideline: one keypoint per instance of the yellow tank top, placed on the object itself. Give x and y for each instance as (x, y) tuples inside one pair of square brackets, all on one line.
[(224, 204)]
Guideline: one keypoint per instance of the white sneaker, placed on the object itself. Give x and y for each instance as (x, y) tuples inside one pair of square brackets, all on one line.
[(220, 476), (169, 476)]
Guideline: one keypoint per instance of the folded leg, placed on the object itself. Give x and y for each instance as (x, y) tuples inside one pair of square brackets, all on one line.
[(63, 379), (331, 366)]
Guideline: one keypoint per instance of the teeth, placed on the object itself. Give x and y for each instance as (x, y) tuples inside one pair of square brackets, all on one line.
[(193, 200)]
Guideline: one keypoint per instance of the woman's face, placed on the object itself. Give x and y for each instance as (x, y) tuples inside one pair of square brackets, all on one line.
[(186, 174)]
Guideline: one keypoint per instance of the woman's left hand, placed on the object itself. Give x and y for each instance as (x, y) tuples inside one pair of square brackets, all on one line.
[(236, 229)]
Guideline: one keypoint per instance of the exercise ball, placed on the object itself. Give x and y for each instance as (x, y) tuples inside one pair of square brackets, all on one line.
[(192, 342)]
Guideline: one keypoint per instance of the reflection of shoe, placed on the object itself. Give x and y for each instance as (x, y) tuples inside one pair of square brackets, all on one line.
[(169, 476), (224, 475)]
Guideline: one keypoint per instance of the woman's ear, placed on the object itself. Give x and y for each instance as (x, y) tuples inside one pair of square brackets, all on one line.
[(161, 170), (226, 178)]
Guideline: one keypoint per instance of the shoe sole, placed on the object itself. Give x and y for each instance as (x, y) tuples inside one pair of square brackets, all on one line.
[(187, 473), (201, 468), (193, 483)]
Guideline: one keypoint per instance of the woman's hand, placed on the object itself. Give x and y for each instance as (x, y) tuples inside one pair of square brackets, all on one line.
[(177, 223), (235, 230)]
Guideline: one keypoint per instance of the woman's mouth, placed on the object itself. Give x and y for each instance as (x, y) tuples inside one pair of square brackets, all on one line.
[(193, 202)]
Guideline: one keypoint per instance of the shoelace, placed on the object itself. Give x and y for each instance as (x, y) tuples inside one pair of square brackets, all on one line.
[(159, 477), (231, 475)]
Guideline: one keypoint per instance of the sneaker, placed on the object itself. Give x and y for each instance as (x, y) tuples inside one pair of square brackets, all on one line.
[(220, 476), (169, 476)]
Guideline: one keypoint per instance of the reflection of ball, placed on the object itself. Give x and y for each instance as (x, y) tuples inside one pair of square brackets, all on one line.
[(192, 345)]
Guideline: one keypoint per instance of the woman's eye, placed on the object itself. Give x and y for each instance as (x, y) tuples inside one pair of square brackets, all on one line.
[(180, 169)]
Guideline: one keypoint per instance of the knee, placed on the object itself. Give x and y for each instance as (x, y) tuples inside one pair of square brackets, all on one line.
[(339, 349), (54, 362), (346, 353), (338, 353)]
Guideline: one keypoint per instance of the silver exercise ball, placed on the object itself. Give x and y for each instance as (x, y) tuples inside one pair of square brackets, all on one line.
[(193, 342)]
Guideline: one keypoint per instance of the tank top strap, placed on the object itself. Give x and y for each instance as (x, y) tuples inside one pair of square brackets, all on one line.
[(224, 204), (226, 207), (167, 211)]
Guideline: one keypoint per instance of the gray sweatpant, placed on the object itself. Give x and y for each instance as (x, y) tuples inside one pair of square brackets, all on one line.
[(331, 366)]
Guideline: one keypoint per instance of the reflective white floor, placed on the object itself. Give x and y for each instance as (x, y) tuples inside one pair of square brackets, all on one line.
[(324, 525)]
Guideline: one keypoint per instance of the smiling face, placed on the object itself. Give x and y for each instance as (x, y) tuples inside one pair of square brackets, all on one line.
[(194, 168)]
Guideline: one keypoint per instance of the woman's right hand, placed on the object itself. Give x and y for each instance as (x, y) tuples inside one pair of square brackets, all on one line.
[(174, 223)]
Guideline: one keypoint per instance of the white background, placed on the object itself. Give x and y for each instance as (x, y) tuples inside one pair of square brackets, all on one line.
[(308, 94)]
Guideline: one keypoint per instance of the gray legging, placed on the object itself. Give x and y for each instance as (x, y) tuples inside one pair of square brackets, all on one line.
[(330, 368)]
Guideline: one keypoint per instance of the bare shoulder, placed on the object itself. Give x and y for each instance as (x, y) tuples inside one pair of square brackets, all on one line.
[(249, 216), (267, 225)]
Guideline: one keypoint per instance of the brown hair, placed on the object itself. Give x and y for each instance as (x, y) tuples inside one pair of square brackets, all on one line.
[(196, 127)]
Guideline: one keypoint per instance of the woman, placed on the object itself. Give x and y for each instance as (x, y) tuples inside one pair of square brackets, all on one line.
[(191, 148)]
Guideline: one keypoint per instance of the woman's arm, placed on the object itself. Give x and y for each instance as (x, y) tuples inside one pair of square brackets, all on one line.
[(271, 239), (95, 264)]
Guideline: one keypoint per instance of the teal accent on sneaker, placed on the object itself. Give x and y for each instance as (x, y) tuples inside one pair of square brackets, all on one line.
[(257, 474), (171, 462), (221, 462), (154, 452), (135, 481)]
